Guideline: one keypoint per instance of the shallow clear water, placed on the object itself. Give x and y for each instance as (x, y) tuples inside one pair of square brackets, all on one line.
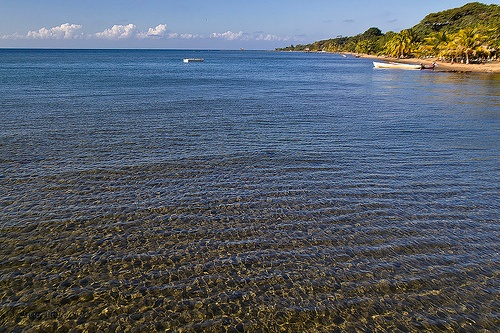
[(256, 192)]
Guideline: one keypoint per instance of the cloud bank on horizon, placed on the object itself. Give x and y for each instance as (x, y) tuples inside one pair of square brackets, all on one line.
[(67, 31), (193, 24)]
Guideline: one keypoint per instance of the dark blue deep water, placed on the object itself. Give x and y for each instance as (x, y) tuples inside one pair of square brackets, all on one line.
[(253, 192)]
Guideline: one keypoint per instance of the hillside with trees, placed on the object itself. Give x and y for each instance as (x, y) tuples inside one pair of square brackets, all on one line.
[(467, 34)]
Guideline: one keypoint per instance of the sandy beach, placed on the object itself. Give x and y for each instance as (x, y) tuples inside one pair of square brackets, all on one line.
[(490, 67)]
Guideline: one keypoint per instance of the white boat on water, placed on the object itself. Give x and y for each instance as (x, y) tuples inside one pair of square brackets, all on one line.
[(397, 65), (187, 60)]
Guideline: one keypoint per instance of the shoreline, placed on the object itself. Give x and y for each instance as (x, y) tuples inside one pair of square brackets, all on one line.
[(488, 68)]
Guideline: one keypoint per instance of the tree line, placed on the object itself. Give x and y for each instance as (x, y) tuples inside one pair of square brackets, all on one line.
[(467, 34)]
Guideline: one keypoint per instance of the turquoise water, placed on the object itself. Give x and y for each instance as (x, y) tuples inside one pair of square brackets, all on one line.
[(255, 192)]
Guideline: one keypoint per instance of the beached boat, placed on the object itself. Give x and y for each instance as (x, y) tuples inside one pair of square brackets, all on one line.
[(186, 60), (397, 65), (432, 66)]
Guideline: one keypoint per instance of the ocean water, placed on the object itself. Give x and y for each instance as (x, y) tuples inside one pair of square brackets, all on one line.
[(253, 192)]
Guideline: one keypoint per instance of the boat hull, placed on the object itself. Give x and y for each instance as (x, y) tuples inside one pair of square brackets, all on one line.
[(396, 65), (187, 60)]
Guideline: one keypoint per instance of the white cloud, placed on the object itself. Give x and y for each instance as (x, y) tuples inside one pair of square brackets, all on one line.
[(271, 38), (119, 32), (186, 36), (13, 36), (159, 31), (64, 31), (258, 36), (229, 35), (130, 31)]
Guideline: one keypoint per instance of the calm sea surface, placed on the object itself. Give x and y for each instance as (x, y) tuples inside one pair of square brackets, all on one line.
[(253, 192)]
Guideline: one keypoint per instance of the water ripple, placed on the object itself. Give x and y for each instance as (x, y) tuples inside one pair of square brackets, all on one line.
[(320, 197)]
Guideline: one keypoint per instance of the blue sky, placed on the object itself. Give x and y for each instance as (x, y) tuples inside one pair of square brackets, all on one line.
[(209, 24)]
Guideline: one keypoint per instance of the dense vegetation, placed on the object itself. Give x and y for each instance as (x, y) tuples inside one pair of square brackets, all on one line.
[(468, 33)]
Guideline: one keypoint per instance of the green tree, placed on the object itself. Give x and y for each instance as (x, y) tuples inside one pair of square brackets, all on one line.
[(468, 40), (395, 46), (451, 50), (452, 33), (492, 40), (371, 33), (332, 47), (411, 41), (436, 43), (403, 44), (365, 46)]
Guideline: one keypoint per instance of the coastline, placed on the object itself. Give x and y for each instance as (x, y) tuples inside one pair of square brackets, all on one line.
[(491, 67)]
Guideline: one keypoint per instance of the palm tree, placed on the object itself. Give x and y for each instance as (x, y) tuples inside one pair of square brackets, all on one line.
[(395, 46), (411, 41), (365, 46), (437, 43), (468, 40), (332, 47), (452, 50), (492, 41), (402, 44)]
